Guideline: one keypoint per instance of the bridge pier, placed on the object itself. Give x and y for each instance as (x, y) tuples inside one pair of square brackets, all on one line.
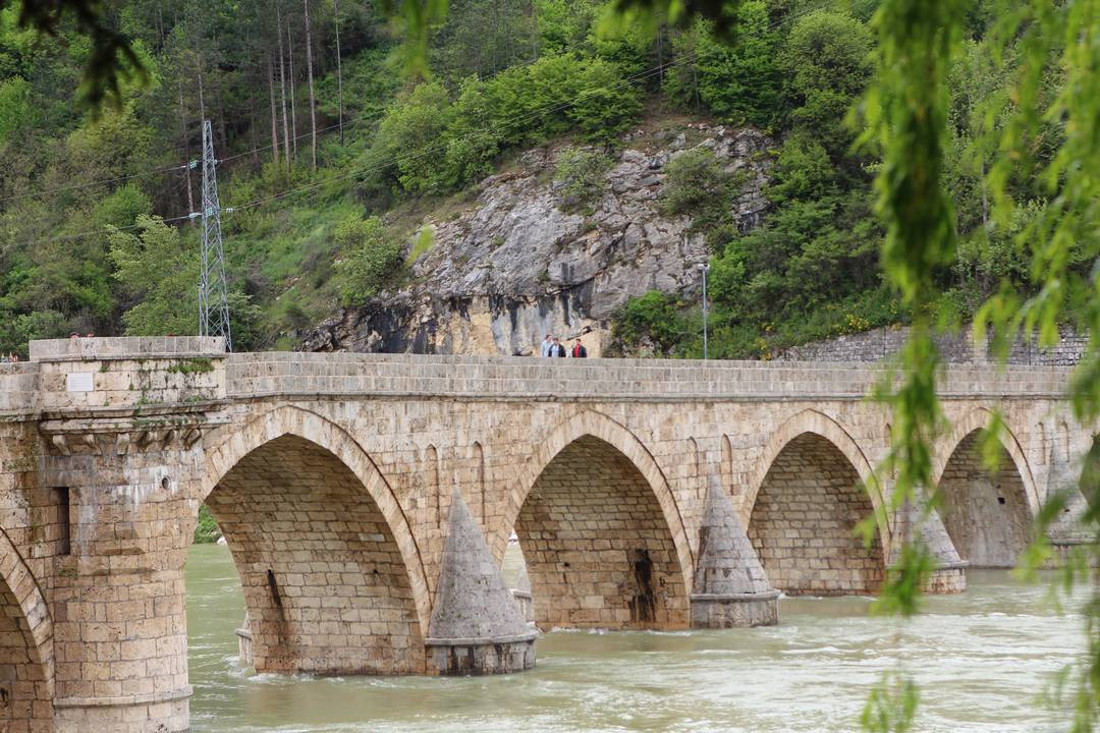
[(118, 599), (123, 473), (730, 586), (476, 625), (949, 574)]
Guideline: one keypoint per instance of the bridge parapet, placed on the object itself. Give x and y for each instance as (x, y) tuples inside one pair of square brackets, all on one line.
[(283, 373), (90, 373), (18, 387)]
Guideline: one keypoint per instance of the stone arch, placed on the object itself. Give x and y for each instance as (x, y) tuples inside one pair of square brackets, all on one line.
[(975, 421), (332, 575), (817, 485), (26, 646), (698, 481), (477, 460), (817, 423), (599, 526), (726, 470), (988, 516)]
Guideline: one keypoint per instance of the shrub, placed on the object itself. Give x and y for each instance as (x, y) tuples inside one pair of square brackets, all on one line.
[(407, 147), (207, 531), (372, 260), (655, 317), (580, 175)]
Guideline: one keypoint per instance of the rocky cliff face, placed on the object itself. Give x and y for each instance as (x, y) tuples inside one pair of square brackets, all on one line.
[(520, 263)]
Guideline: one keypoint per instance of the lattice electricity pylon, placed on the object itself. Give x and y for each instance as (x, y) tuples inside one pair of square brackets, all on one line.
[(213, 289)]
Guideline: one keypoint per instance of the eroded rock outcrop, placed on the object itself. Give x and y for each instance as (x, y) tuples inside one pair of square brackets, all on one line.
[(518, 262)]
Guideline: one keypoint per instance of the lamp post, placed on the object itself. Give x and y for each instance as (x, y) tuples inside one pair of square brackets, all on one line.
[(705, 267)]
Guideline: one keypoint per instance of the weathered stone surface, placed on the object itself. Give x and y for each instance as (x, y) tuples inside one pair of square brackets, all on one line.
[(476, 626), (985, 514), (730, 586), (521, 591), (949, 574), (519, 263), (626, 577), (803, 525), (1065, 478)]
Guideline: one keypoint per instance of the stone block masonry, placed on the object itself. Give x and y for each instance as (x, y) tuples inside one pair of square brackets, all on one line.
[(803, 525), (335, 478), (958, 348)]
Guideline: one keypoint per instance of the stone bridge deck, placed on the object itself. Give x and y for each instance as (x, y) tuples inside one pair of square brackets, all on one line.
[(368, 501)]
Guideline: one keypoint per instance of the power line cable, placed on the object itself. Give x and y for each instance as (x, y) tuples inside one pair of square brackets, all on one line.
[(89, 184), (94, 232)]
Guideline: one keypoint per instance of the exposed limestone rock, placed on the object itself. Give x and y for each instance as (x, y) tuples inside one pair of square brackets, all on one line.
[(520, 263)]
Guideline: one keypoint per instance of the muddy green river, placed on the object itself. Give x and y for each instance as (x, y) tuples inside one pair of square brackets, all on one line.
[(983, 660)]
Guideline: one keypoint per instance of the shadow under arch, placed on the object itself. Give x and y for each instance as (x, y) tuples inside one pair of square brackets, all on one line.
[(333, 579), (974, 421), (818, 423), (592, 492), (813, 486), (987, 515), (26, 644)]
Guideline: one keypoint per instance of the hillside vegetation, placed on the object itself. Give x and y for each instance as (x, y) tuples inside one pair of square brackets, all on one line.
[(329, 161)]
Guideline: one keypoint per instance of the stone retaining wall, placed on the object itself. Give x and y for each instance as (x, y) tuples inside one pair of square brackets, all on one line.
[(880, 343)]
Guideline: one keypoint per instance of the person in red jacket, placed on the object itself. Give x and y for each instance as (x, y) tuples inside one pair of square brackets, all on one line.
[(579, 352)]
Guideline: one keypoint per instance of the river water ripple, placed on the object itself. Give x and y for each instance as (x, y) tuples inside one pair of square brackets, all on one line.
[(982, 659)]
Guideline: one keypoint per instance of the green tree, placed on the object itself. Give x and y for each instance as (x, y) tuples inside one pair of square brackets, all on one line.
[(827, 59), (743, 83), (158, 277)]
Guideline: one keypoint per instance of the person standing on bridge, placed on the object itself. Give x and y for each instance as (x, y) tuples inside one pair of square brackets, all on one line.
[(557, 348), (546, 344), (579, 352)]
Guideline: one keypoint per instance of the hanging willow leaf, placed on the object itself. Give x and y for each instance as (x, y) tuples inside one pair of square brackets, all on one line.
[(112, 59)]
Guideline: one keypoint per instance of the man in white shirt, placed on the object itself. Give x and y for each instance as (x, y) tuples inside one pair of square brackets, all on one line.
[(546, 344)]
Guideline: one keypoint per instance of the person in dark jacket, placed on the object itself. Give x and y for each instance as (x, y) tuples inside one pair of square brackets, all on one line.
[(579, 352), (557, 349)]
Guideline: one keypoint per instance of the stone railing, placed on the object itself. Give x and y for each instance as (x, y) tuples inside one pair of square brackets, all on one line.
[(282, 373), (119, 373), (129, 347)]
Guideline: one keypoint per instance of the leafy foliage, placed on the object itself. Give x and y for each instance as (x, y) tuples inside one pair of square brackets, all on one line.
[(428, 142), (742, 83), (372, 259), (207, 531), (653, 317), (581, 175)]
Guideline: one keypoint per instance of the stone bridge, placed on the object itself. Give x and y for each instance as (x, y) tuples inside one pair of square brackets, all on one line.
[(369, 499)]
